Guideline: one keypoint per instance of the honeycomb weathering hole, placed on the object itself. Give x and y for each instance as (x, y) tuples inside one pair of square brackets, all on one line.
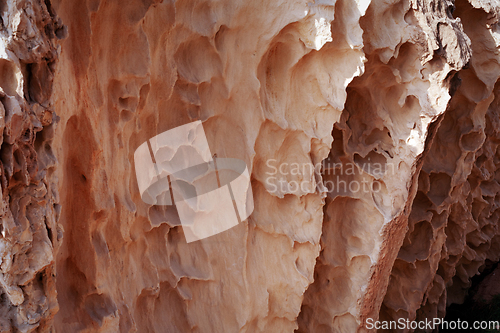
[(8, 77)]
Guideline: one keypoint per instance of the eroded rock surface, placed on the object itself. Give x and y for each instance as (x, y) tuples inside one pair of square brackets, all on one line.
[(29, 209), (370, 130), (453, 224)]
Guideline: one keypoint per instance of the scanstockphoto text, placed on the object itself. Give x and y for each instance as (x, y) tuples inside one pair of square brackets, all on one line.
[(335, 177), (431, 325)]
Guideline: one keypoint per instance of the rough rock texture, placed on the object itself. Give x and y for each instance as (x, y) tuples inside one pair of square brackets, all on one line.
[(29, 206), (453, 225), (397, 100)]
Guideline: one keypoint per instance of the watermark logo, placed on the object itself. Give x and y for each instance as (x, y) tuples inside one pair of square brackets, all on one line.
[(433, 325), (336, 178), (211, 194)]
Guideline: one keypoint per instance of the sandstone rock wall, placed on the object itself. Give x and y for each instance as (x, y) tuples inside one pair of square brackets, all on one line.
[(453, 224), (396, 100), (29, 208)]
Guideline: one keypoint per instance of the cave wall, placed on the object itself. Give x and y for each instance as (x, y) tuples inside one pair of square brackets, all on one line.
[(453, 224), (394, 99), (29, 201)]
